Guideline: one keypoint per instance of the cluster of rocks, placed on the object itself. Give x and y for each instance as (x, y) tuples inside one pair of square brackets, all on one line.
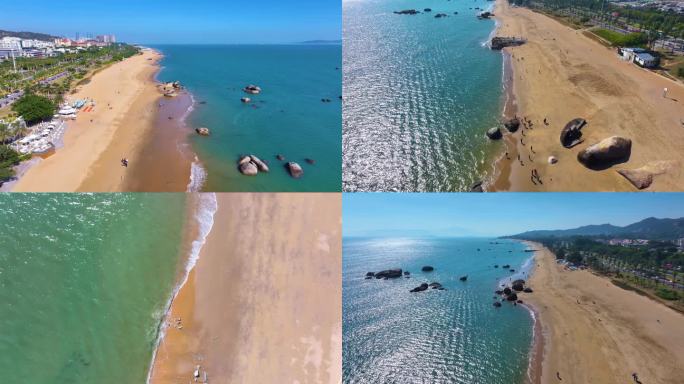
[(500, 42), (484, 15), (426, 10), (511, 293), (425, 286), (251, 165), (171, 89), (407, 12), (511, 125)]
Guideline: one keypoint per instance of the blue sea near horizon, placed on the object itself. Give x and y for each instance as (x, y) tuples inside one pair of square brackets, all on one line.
[(453, 336), (287, 118), (419, 94)]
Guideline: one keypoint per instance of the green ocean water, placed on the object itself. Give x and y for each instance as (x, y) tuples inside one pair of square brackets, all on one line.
[(84, 281)]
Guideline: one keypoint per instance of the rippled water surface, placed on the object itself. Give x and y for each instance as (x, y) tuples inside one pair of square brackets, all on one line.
[(454, 336), (419, 94), (84, 281)]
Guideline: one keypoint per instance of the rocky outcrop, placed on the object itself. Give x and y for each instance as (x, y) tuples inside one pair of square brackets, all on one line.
[(370, 274), (294, 169), (512, 125), (501, 42), (427, 10), (571, 134), (250, 165), (435, 285), (389, 273), (507, 291), (203, 131), (259, 163), (407, 12), (494, 133), (427, 268), (440, 15), (512, 296), (249, 169), (252, 89), (407, 273), (420, 288), (518, 285), (606, 153)]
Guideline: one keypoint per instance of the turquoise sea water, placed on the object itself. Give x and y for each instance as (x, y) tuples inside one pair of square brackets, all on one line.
[(287, 118), (419, 94), (453, 336), (84, 281)]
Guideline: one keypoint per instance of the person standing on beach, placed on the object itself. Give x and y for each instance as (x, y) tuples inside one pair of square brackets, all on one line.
[(665, 93)]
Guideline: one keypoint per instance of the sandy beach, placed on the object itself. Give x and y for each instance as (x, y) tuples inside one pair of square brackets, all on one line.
[(596, 332), (561, 74), (120, 126), (263, 303)]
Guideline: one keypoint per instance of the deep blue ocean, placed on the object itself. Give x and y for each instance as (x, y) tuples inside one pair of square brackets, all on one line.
[(453, 336)]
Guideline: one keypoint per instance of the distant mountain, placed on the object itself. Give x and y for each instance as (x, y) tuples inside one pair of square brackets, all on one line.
[(651, 229), (28, 35), (321, 42)]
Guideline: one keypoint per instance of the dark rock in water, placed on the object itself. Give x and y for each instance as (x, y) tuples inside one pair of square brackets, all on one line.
[(371, 274), (252, 89), (571, 135), (519, 301), (512, 125), (497, 304), (369, 277), (518, 285), (280, 157), (506, 266), (407, 12), (455, 13), (406, 273), (500, 42), (496, 265), (463, 278), (512, 297), (507, 291), (606, 153), (427, 10), (512, 270), (477, 187), (420, 288), (388, 273), (440, 15), (310, 161), (202, 102), (434, 285), (528, 290), (427, 268), (441, 289), (484, 15), (203, 131), (295, 169), (499, 292), (494, 133)]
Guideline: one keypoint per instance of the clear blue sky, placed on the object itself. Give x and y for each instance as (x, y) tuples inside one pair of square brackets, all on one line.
[(497, 214), (180, 21)]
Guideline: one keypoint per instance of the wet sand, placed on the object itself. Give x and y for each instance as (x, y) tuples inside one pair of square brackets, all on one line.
[(561, 74), (596, 332), (121, 125), (263, 303)]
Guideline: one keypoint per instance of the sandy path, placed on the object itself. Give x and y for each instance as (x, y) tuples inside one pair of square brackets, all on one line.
[(125, 97), (596, 332), (561, 74), (263, 304)]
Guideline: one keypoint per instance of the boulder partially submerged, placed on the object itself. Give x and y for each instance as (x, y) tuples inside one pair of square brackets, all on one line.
[(250, 165), (389, 273), (420, 288), (606, 153), (203, 131), (252, 89), (294, 169), (494, 133), (407, 12), (427, 268), (571, 134)]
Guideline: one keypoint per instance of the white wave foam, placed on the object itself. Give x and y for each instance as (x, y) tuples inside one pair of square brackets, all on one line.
[(198, 175), (207, 205)]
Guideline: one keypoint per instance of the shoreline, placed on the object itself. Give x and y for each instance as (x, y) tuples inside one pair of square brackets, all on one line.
[(554, 77), (265, 285), (124, 124), (614, 332), (200, 212)]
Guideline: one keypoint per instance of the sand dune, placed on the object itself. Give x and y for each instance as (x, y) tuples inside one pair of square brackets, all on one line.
[(595, 332), (561, 74)]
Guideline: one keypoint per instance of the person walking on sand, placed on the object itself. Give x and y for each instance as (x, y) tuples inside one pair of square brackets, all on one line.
[(665, 93)]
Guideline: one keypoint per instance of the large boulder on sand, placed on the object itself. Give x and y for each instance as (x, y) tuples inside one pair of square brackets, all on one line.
[(518, 285), (512, 125), (388, 273), (294, 169), (420, 288), (494, 133), (606, 153), (249, 169), (571, 134)]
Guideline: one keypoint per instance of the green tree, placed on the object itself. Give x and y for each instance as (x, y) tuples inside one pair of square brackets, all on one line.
[(34, 108)]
